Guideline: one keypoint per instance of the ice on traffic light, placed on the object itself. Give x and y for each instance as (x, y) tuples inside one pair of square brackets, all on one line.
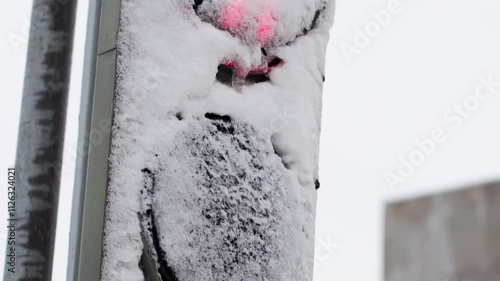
[(214, 156)]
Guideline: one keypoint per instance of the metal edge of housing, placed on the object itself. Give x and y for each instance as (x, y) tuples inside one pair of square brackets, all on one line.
[(96, 113)]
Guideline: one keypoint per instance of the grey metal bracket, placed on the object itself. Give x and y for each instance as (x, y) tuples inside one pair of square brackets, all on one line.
[(91, 179)]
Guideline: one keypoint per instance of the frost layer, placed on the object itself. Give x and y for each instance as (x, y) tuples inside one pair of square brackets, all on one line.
[(226, 175), (224, 205)]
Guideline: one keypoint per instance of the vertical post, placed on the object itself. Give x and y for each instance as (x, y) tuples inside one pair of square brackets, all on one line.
[(41, 137), (89, 64), (96, 112)]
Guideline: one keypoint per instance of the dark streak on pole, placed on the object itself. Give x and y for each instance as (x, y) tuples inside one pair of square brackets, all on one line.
[(41, 137)]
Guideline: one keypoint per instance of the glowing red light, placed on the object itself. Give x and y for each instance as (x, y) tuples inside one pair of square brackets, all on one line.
[(235, 14), (265, 20)]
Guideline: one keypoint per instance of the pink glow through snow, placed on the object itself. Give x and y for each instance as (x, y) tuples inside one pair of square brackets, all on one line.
[(235, 14)]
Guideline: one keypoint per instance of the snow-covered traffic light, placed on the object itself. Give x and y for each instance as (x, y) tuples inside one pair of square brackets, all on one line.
[(213, 167)]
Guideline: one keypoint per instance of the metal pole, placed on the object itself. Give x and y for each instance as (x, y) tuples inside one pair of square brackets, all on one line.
[(96, 113), (41, 138), (85, 119)]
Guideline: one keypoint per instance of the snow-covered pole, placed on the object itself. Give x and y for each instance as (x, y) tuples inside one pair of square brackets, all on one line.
[(40, 142)]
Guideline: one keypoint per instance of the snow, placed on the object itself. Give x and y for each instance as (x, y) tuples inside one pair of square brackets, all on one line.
[(227, 175)]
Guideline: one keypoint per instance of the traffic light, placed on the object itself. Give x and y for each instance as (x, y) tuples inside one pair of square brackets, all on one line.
[(214, 149)]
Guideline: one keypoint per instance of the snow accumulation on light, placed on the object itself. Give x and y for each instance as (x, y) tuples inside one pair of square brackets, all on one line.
[(211, 180)]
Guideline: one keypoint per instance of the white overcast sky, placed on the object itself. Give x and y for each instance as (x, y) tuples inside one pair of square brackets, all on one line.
[(393, 91)]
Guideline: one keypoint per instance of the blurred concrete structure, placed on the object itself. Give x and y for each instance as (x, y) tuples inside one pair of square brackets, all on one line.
[(453, 236)]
